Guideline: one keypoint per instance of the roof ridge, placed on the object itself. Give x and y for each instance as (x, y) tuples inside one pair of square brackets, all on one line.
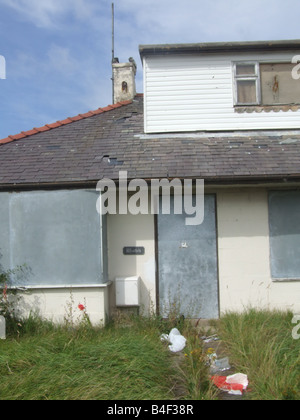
[(68, 120)]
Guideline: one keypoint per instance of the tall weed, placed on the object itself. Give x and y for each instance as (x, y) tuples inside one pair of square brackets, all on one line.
[(260, 344)]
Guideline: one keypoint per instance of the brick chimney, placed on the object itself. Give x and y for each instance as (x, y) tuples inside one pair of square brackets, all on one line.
[(124, 80)]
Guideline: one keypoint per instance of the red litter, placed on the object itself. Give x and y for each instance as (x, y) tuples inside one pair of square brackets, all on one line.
[(233, 384)]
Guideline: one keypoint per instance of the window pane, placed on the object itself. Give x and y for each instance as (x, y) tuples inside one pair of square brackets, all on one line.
[(277, 85), (246, 92), (245, 70)]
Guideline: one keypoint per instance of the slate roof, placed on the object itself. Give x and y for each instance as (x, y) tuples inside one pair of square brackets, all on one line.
[(87, 148)]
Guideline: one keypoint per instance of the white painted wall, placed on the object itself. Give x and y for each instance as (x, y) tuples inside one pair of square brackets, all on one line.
[(54, 303), (195, 92), (130, 230), (244, 254)]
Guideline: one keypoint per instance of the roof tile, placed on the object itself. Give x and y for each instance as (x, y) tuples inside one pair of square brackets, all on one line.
[(29, 132), (6, 140), (17, 136), (108, 142), (86, 115), (41, 129), (66, 121), (53, 125)]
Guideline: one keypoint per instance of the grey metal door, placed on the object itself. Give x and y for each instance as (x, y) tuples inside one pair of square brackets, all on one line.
[(187, 264)]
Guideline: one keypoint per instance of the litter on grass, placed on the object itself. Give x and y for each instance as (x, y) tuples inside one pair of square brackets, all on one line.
[(176, 340), (220, 365), (216, 364), (233, 384), (210, 338)]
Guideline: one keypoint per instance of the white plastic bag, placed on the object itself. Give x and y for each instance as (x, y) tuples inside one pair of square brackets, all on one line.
[(176, 340), (240, 379)]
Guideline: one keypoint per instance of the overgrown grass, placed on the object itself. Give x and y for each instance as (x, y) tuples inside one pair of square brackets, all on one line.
[(124, 361), (260, 344)]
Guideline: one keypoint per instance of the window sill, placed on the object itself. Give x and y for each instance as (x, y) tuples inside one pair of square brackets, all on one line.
[(285, 280), (61, 286), (265, 108)]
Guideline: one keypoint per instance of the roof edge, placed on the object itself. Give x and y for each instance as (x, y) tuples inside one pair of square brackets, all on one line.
[(66, 121), (219, 47), (211, 181)]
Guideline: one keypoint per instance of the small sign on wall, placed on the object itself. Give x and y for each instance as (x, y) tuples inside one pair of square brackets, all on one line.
[(134, 250)]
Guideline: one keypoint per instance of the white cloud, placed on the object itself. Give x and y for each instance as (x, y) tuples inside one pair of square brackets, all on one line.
[(61, 60), (51, 13), (175, 21), (41, 13)]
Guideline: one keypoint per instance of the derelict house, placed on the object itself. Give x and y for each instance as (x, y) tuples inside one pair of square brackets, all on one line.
[(224, 113)]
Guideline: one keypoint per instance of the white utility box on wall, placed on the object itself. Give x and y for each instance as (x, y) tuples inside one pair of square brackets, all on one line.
[(128, 291)]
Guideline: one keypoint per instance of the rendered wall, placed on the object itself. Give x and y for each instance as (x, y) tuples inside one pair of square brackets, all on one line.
[(244, 254), (130, 230), (57, 303)]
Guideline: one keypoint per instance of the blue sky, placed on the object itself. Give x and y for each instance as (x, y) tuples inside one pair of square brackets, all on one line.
[(58, 52)]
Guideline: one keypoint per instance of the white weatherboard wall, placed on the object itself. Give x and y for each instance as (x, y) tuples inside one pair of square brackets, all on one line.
[(196, 92)]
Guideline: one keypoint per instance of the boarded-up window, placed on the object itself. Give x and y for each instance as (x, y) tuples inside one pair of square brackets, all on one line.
[(277, 84), (284, 223), (56, 234)]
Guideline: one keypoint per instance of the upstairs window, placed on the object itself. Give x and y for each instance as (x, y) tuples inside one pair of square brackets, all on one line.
[(265, 85), (246, 83), (277, 84)]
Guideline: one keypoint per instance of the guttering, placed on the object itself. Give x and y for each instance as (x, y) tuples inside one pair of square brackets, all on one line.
[(209, 180), (213, 47)]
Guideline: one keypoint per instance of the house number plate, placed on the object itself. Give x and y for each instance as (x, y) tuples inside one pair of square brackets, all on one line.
[(134, 250)]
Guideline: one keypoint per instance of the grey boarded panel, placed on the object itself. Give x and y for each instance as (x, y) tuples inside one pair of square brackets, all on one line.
[(188, 264), (284, 223), (104, 249), (57, 235), (4, 231)]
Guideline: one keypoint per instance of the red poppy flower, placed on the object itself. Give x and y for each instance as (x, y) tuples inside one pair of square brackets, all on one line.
[(81, 307), (5, 292)]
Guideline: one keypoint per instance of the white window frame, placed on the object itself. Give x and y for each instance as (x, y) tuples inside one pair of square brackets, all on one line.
[(255, 77)]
